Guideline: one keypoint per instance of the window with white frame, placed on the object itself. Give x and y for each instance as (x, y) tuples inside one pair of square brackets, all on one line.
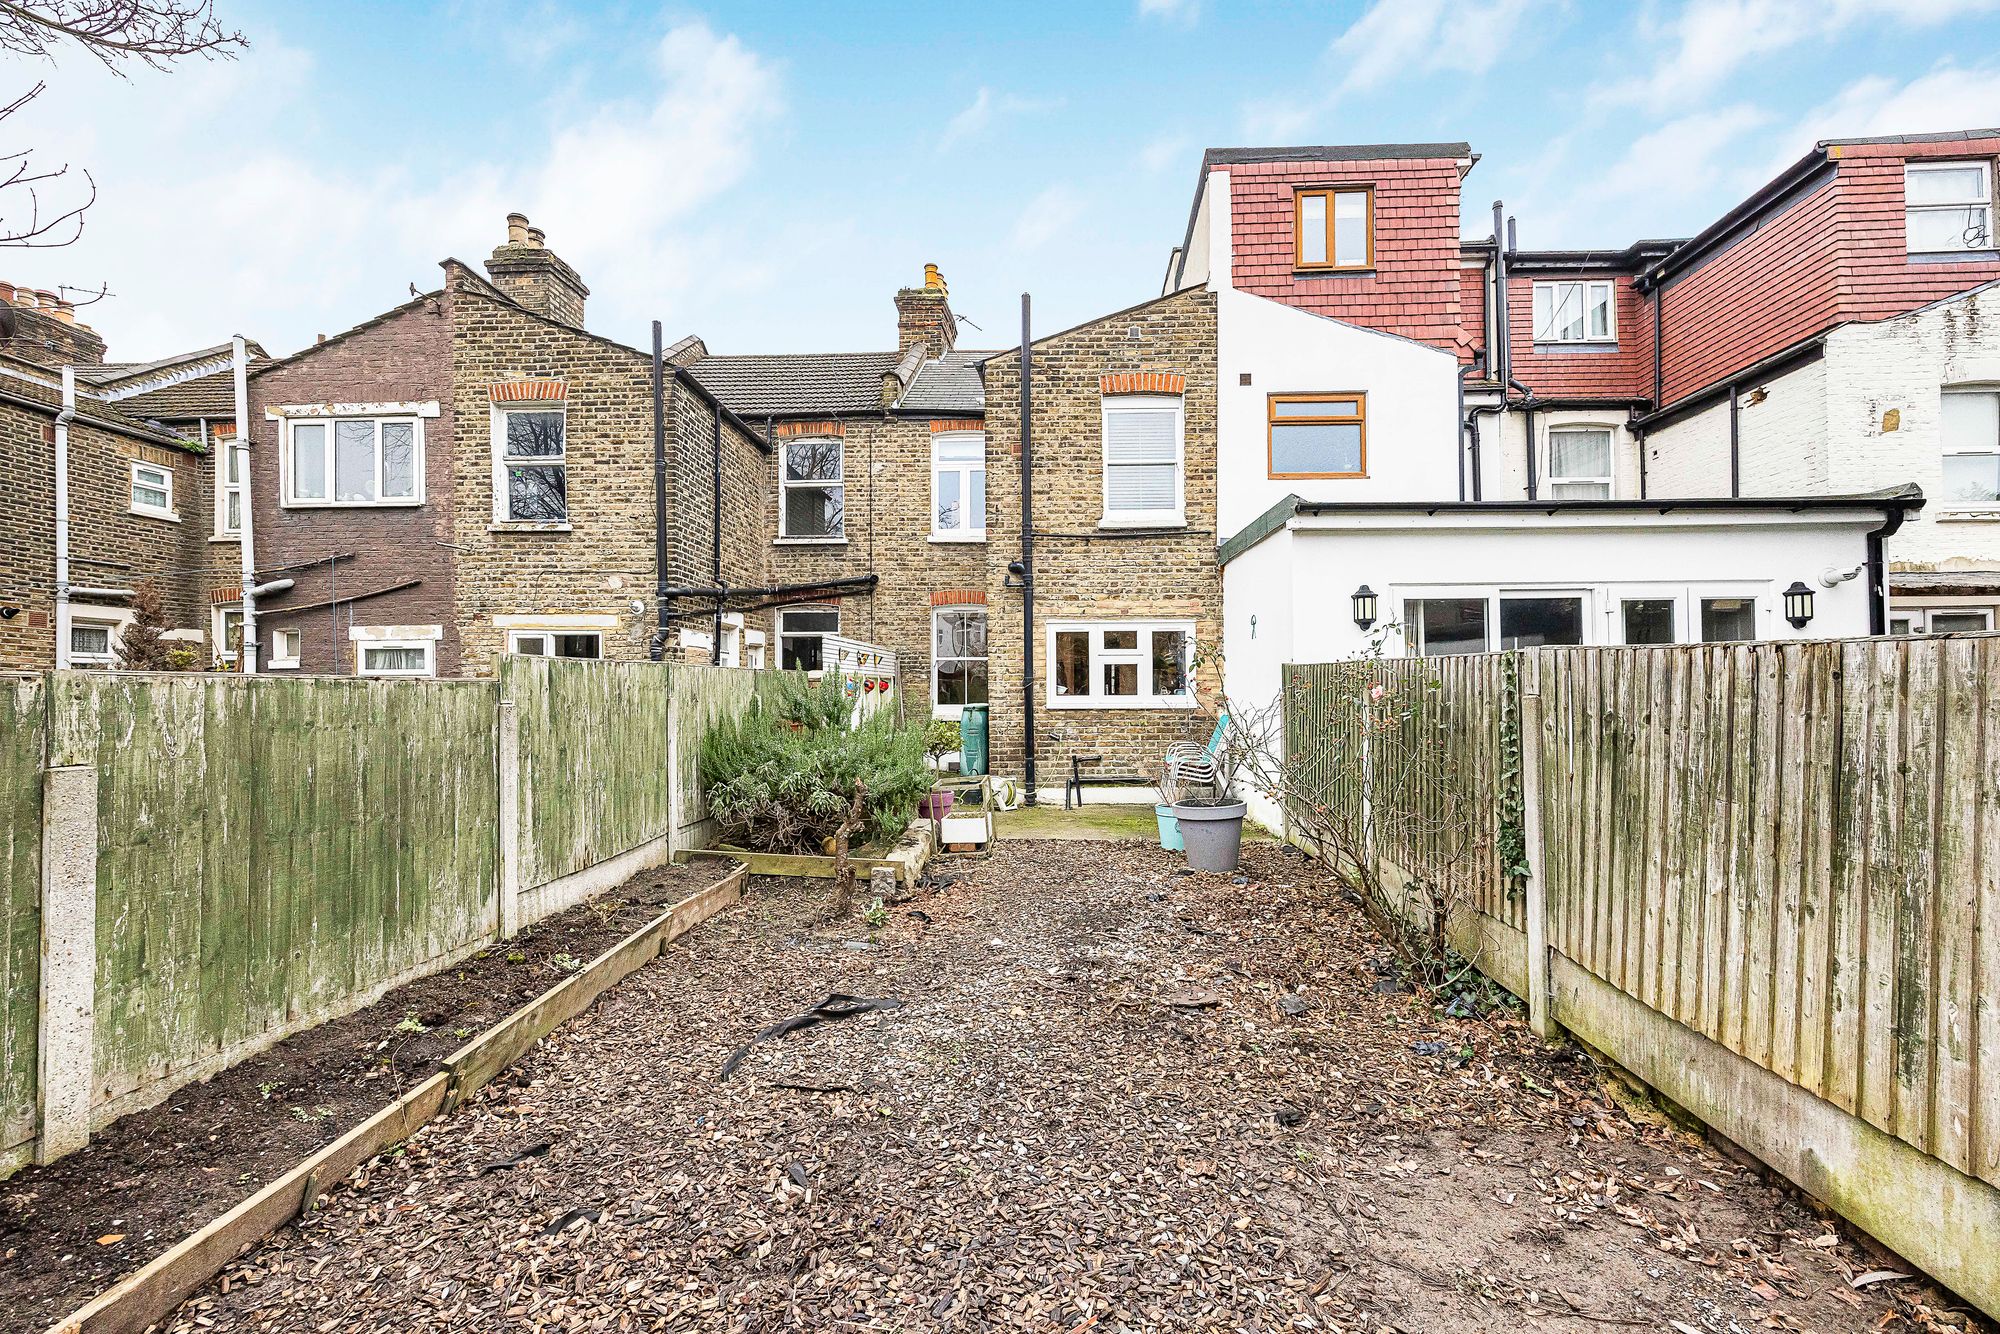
[(226, 631), (353, 461), (1121, 665), (1728, 620), (556, 643), (93, 643), (530, 465), (394, 657), (1439, 627), (1142, 460), (812, 503), (801, 633), (1970, 438), (153, 490), (958, 659), (1947, 207), (958, 485), (232, 464), (287, 646), (1580, 463), (1584, 311)]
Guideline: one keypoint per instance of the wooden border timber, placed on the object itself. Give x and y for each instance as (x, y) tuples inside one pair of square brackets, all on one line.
[(912, 852), (142, 1298)]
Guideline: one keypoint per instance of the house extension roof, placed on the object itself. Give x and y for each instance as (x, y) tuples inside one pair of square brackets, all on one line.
[(181, 387), (40, 390), (797, 384)]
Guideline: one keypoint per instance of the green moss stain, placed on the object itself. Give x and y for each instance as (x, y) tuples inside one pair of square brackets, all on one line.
[(22, 705)]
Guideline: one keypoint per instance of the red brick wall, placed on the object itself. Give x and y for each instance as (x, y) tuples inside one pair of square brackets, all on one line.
[(1414, 287), (1588, 371), (404, 358)]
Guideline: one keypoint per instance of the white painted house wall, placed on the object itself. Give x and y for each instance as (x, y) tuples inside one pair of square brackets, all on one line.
[(1503, 461), (1781, 443)]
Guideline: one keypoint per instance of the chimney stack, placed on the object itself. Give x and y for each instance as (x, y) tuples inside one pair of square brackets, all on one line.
[(923, 315), (40, 326), (534, 275)]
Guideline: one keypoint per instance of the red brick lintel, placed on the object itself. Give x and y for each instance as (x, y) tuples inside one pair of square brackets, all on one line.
[(959, 597), (529, 391), (939, 425), (786, 430), (1143, 382)]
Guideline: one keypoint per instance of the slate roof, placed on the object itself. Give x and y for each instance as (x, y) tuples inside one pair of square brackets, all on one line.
[(211, 395), (797, 384), (949, 383), (25, 384)]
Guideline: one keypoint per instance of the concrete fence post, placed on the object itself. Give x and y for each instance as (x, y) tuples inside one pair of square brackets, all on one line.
[(1531, 845), (509, 766), (69, 958)]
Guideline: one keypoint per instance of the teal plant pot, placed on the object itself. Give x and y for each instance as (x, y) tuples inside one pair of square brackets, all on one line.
[(1170, 828)]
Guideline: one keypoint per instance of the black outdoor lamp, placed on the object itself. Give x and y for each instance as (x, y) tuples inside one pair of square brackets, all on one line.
[(1364, 606), (1798, 605)]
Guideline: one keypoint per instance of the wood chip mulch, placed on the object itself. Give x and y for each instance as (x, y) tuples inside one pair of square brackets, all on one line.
[(1116, 1097)]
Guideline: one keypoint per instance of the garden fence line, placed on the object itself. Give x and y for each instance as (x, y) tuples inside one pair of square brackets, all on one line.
[(1763, 877)]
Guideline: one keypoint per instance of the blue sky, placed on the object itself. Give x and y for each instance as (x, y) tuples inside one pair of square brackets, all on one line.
[(767, 174)]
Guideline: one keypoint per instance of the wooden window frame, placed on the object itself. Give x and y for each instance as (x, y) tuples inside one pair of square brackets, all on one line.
[(1299, 194), (1358, 397)]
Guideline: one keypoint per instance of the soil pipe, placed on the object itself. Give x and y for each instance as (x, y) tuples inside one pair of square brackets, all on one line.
[(1469, 368), (1735, 444), (715, 512), (658, 649), (246, 653), (1027, 550), (63, 419)]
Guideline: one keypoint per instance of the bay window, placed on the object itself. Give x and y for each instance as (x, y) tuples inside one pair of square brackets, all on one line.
[(1947, 207), (1576, 312), (353, 461), (958, 659), (1143, 486), (812, 503), (1121, 665), (531, 465)]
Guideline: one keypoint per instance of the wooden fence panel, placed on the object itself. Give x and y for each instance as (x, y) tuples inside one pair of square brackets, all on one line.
[(22, 712)]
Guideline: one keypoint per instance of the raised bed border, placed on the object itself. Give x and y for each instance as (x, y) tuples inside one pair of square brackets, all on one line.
[(146, 1296), (911, 853)]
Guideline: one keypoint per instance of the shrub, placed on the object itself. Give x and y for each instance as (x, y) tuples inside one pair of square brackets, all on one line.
[(941, 738), (144, 647), (786, 775)]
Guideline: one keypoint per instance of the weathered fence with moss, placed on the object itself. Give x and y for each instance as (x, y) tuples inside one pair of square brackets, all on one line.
[(193, 866), (1765, 877)]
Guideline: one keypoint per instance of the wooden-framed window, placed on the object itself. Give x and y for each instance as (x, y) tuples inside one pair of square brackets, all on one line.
[(1333, 227), (1317, 435), (1947, 207)]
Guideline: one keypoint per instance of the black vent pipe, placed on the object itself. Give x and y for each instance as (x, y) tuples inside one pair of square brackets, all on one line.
[(1027, 550)]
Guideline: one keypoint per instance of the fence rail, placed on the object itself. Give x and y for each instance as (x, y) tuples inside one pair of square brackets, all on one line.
[(1788, 853)]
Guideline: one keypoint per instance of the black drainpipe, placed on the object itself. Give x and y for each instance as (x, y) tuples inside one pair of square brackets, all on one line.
[(1501, 341), (1735, 447), (1027, 550), (1528, 427), (1659, 301), (1639, 434), (715, 645), (658, 648), (1878, 575), (1465, 422), (1472, 421)]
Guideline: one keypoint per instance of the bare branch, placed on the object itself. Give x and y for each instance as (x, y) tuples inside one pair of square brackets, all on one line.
[(153, 32)]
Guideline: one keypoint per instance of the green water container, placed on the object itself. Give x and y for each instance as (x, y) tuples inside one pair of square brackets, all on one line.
[(972, 739)]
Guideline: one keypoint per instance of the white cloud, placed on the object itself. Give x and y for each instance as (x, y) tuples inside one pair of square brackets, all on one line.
[(1946, 98), (1167, 152), (1707, 154), (984, 110), (1707, 42), (1183, 12), (212, 221), (1048, 215)]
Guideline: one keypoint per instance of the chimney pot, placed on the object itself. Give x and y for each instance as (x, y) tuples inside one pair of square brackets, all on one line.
[(517, 229), (46, 299), (538, 238), (318, 339), (933, 279)]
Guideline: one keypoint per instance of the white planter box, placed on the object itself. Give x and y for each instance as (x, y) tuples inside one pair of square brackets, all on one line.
[(963, 829)]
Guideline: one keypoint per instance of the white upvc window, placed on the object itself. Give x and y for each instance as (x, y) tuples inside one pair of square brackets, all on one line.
[(226, 632), (1941, 621), (153, 490), (1580, 463), (1143, 454), (812, 500), (802, 634), (958, 486), (335, 461), (93, 643), (232, 467), (395, 650), (1970, 439), (531, 465), (958, 660), (1121, 665), (556, 643), (1580, 311), (287, 646), (1947, 207)]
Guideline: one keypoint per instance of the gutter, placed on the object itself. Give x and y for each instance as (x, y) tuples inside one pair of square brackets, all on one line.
[(1798, 177), (1899, 499), (1784, 359), (246, 657), (63, 419)]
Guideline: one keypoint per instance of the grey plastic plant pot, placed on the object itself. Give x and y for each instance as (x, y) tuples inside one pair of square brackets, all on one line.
[(1213, 834)]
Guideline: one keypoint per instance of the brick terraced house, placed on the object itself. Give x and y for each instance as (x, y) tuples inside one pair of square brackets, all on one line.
[(141, 496)]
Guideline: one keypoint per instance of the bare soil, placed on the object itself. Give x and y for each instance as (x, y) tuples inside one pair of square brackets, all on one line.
[(1117, 1097), (73, 1228)]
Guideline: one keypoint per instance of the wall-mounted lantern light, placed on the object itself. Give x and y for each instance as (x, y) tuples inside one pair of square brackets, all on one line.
[(1364, 606), (1798, 605)]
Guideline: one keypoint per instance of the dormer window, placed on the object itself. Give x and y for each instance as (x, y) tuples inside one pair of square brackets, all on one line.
[(1947, 207), (1334, 228), (1576, 312)]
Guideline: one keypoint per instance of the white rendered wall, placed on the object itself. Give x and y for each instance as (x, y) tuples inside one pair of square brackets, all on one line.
[(1782, 443), (1412, 394), (1503, 465), (1258, 603)]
